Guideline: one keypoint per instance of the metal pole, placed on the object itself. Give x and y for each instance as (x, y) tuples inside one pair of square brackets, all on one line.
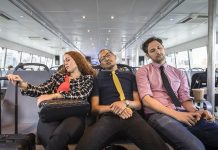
[(211, 52), (175, 60), (189, 59)]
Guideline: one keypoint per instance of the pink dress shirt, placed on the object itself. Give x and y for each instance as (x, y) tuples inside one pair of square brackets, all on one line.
[(149, 82)]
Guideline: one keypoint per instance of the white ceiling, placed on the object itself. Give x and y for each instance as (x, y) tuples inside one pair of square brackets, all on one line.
[(98, 30)]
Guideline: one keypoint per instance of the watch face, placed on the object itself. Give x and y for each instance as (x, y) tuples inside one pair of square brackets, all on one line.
[(127, 102)]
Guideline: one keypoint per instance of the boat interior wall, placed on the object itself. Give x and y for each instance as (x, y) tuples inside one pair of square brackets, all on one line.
[(190, 45), (17, 46)]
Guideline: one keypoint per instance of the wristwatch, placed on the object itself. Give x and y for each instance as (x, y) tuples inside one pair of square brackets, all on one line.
[(127, 103)]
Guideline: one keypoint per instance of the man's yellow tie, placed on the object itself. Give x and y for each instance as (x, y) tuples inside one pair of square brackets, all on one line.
[(118, 85)]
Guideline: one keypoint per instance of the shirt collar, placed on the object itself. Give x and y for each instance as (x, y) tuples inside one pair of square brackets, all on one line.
[(116, 71), (156, 65)]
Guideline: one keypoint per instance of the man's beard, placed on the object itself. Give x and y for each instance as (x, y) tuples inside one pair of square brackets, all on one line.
[(160, 59)]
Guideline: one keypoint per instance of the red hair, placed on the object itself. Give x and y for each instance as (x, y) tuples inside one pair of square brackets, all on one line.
[(83, 65)]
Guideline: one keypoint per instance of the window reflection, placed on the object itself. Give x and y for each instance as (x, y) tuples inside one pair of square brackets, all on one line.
[(12, 58), (2, 57), (36, 59), (182, 60), (26, 57), (49, 62), (170, 59), (198, 57)]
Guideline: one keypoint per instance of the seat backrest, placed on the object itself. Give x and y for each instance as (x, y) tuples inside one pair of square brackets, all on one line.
[(27, 108), (199, 80), (188, 76), (197, 69), (121, 67)]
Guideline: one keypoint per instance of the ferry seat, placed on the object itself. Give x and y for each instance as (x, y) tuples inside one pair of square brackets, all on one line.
[(121, 67), (27, 106)]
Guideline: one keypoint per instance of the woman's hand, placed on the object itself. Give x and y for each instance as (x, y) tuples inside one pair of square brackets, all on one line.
[(47, 97), (44, 97), (14, 78)]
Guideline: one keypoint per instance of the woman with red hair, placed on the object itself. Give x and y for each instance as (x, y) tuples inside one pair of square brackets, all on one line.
[(73, 81)]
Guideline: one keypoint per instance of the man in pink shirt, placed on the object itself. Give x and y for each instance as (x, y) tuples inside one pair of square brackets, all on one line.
[(185, 127)]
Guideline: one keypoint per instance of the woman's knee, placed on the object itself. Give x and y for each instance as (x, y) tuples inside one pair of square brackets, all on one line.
[(72, 126)]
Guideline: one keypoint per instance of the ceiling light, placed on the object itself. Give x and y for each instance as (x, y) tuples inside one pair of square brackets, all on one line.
[(171, 19), (88, 30), (107, 39), (44, 38), (109, 30), (21, 16), (112, 17), (84, 17)]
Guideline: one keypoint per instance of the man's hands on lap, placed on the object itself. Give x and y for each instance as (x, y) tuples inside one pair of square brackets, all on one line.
[(119, 108), (189, 118), (205, 114), (127, 113)]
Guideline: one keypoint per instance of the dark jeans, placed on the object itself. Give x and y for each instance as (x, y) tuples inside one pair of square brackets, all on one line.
[(135, 129), (57, 135), (184, 137)]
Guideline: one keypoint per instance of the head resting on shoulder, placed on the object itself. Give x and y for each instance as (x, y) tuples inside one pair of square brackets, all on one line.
[(107, 59)]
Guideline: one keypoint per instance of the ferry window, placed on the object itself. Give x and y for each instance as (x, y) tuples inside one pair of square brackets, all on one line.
[(182, 60), (2, 57), (12, 58), (43, 61), (36, 59), (26, 57), (171, 59), (49, 62), (198, 58), (149, 61), (216, 62)]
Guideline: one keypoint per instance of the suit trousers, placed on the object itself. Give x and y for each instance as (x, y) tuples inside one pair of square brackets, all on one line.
[(135, 129), (203, 135)]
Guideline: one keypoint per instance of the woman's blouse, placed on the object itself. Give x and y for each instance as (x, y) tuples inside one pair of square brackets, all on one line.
[(80, 88)]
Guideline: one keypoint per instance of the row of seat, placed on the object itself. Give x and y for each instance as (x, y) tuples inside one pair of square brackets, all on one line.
[(28, 111), (27, 107)]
